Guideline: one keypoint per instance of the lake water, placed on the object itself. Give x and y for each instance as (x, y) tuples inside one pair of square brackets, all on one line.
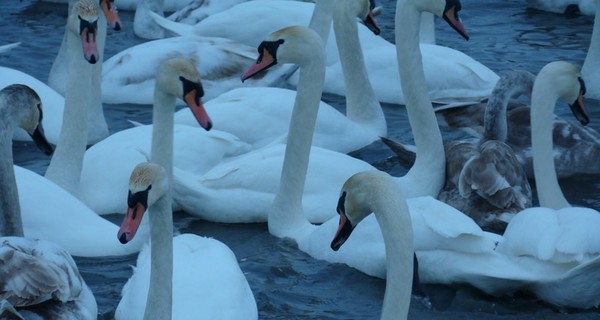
[(287, 283)]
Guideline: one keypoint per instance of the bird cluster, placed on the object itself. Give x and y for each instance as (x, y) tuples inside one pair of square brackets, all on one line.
[(251, 150)]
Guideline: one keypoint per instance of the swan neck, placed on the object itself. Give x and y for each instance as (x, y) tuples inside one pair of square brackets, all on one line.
[(320, 21), (543, 102), (362, 105), (494, 120), (396, 228), (10, 211), (287, 211), (430, 164), (67, 160), (162, 131), (159, 301)]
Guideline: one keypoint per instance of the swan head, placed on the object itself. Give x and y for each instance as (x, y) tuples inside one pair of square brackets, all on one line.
[(148, 183), (565, 78), (28, 113), (357, 201), (294, 44), (366, 13), (178, 77), (83, 21), (112, 15)]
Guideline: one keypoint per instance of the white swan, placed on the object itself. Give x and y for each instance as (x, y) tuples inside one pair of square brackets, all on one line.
[(376, 191), (82, 52), (186, 276), (363, 123), (58, 77), (555, 232), (591, 66), (33, 271), (129, 76), (105, 163), (449, 73)]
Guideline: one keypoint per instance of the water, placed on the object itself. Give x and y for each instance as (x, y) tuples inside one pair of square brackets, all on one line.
[(287, 283)]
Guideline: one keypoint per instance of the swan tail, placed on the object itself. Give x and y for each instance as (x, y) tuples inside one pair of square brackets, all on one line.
[(406, 153), (172, 26)]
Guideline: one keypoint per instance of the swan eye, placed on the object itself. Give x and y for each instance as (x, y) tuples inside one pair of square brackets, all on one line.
[(270, 46), (189, 86), (582, 89)]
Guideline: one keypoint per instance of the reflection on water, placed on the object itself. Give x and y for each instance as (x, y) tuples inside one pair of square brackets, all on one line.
[(287, 283)]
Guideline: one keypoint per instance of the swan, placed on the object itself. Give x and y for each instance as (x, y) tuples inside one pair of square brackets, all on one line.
[(185, 276), (567, 7), (591, 67), (105, 162), (484, 178), (59, 73), (376, 191), (33, 271), (8, 47), (556, 232), (469, 78), (129, 76), (363, 123), (82, 52)]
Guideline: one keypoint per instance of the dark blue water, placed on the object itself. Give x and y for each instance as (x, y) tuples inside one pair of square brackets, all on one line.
[(287, 283)]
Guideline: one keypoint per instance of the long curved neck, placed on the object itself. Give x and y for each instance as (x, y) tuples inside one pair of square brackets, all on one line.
[(287, 212), (426, 177), (543, 101), (10, 211), (512, 85), (98, 127), (591, 65), (362, 105), (159, 303), (67, 161), (394, 220), (320, 21)]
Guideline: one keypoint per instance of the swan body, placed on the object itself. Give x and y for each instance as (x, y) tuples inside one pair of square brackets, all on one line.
[(129, 76), (33, 271), (471, 78), (189, 275), (107, 164)]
